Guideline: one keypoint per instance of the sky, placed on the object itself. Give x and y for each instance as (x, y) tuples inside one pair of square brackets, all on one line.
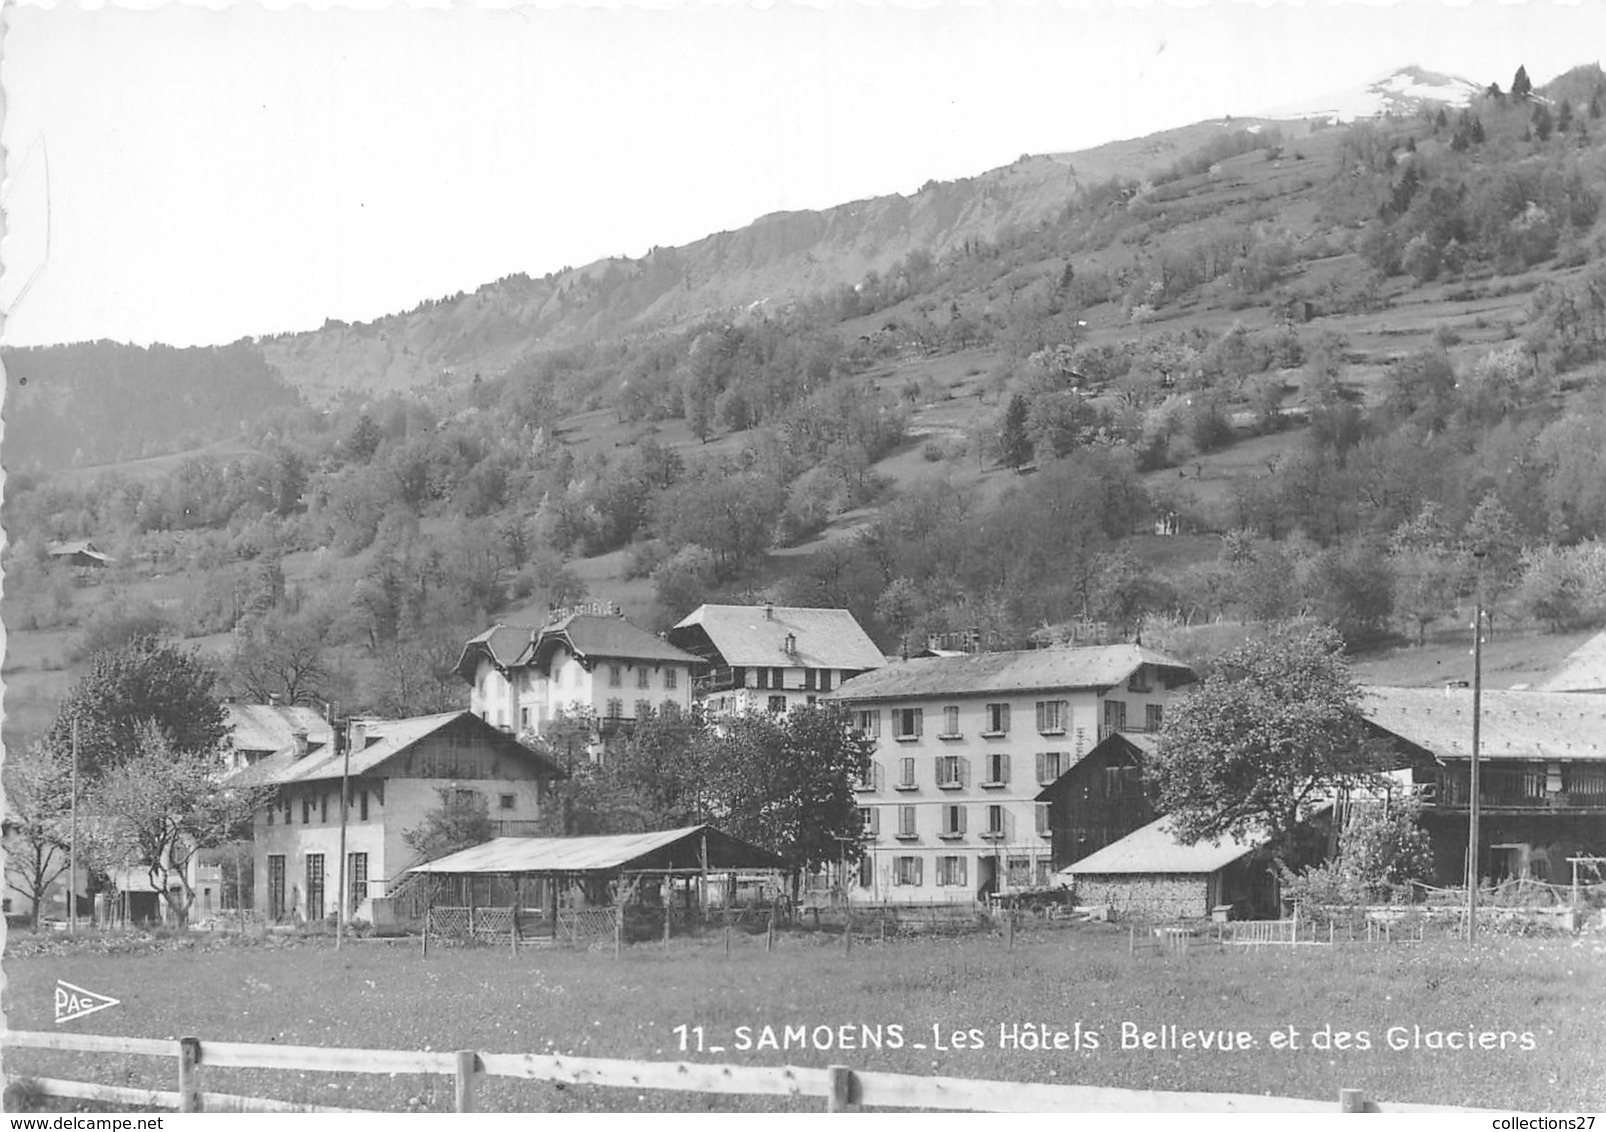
[(186, 175)]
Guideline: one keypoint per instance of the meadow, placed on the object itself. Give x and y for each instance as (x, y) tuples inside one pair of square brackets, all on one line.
[(937, 1006)]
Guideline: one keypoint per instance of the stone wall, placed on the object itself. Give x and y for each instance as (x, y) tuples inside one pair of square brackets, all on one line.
[(1146, 896)]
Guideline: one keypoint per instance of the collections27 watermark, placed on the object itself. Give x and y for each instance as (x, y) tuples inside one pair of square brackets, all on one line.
[(1079, 1037)]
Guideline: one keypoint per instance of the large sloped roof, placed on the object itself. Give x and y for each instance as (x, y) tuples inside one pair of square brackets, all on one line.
[(385, 738), (503, 644), (756, 636), (1521, 725), (272, 727), (589, 636), (1584, 670), (1155, 849), (666, 849), (973, 674)]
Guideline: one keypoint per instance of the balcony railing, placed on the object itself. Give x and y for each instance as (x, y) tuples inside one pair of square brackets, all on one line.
[(718, 680), (1523, 788), (515, 828)]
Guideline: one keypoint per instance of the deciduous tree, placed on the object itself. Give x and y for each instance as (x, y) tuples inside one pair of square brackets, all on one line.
[(38, 803), (1275, 728)]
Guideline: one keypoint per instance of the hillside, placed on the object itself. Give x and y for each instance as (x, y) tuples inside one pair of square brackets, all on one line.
[(1226, 375)]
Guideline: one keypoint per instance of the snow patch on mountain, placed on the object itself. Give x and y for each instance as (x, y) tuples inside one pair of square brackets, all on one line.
[(1402, 91)]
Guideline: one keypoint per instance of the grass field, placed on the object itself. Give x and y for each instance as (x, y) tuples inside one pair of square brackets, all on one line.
[(374, 995)]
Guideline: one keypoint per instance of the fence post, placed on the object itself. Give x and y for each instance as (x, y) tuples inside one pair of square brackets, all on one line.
[(426, 932), (189, 1084), (840, 1098), (467, 1066), (1351, 1100), (1009, 929), (667, 914)]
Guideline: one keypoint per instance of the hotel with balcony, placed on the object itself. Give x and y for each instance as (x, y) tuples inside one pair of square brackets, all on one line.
[(772, 657), (589, 658), (964, 746)]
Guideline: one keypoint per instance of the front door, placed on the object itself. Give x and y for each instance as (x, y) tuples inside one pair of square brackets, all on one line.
[(314, 887), (276, 887)]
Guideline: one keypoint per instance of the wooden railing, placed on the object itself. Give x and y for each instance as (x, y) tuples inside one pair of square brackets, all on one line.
[(842, 1088)]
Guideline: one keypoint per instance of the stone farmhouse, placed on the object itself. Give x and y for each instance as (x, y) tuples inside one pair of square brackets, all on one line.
[(965, 746)]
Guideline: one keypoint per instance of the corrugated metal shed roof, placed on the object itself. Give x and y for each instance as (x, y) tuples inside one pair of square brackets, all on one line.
[(385, 738), (1514, 725), (1584, 670), (607, 853), (755, 636), (1155, 849), (1099, 666), (272, 727)]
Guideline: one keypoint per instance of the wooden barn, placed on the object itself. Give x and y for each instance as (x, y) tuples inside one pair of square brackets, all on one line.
[(1100, 799)]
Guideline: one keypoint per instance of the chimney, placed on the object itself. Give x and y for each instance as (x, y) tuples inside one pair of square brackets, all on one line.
[(791, 644), (299, 738), (358, 734)]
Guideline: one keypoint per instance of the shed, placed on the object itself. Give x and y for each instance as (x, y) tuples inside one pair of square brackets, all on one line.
[(568, 877), (80, 552), (1150, 874)]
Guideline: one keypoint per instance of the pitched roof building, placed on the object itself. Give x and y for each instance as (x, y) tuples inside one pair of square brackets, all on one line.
[(522, 677), (1541, 781), (397, 772), (772, 657), (965, 744), (1584, 670)]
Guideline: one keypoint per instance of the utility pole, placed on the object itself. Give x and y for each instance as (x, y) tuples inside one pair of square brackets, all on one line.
[(72, 844), (1477, 723), (345, 772)]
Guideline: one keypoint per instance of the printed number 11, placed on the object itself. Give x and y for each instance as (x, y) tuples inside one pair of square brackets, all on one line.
[(695, 1031)]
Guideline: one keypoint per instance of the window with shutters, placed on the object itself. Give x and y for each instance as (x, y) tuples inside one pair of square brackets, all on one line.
[(1051, 716), (906, 871), (1043, 827), (1114, 718), (362, 806), (616, 709), (997, 764), (950, 722), (306, 811), (867, 780), (906, 723), (825, 679), (777, 705), (950, 772), (643, 710), (997, 719), (808, 679), (1050, 765), (951, 871), (953, 821), (906, 822), (671, 678), (906, 775), (762, 680), (868, 723), (995, 823), (870, 820), (643, 677), (1042, 871), (1018, 871), (616, 676), (866, 871), (1153, 717)]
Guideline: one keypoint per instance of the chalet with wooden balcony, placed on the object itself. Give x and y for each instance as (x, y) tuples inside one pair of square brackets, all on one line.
[(952, 804), (1541, 774), (772, 657)]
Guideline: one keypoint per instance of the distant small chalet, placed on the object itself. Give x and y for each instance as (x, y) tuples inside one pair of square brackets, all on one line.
[(256, 731), (773, 657), (522, 676), (80, 552)]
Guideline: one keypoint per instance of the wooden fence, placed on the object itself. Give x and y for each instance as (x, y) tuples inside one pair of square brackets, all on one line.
[(842, 1088)]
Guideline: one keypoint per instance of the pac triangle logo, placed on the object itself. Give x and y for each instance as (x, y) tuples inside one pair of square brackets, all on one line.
[(76, 1002)]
